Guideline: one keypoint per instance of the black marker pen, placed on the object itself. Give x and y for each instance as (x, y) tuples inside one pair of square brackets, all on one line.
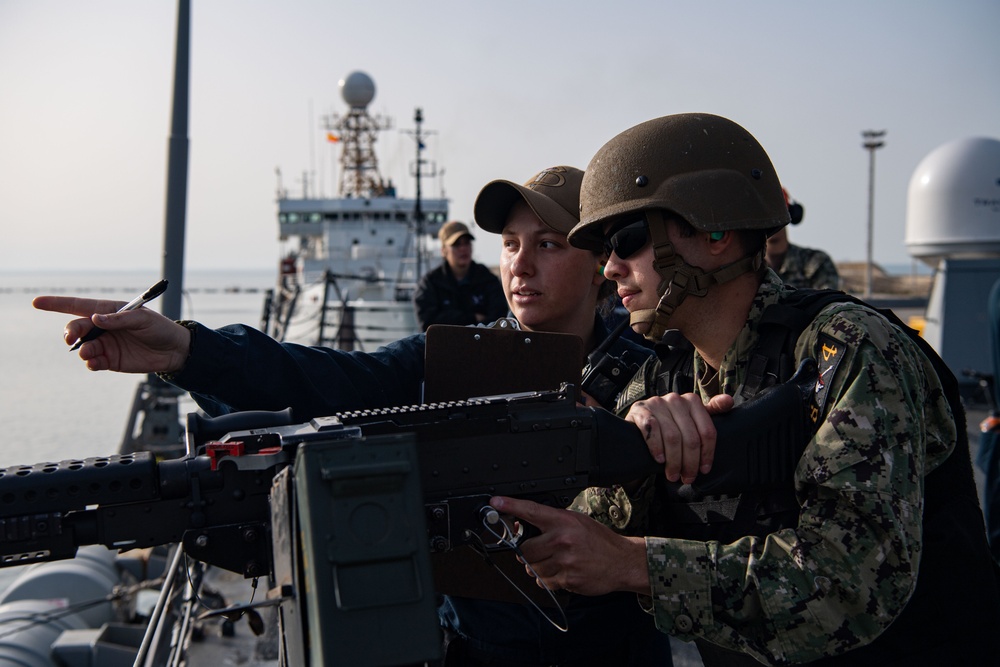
[(139, 301)]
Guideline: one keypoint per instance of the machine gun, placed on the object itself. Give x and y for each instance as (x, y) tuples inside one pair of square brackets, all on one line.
[(351, 502)]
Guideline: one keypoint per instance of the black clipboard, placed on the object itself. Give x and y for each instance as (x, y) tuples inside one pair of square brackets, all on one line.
[(468, 362)]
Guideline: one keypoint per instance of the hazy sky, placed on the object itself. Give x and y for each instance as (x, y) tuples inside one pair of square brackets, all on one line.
[(509, 88)]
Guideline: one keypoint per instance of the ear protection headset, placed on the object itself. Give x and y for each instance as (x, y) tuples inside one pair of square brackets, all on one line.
[(795, 209), (797, 212)]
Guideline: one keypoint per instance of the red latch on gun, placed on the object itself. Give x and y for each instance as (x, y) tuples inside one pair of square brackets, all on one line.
[(217, 451)]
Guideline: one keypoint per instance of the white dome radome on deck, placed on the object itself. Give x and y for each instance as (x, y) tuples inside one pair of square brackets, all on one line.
[(953, 202)]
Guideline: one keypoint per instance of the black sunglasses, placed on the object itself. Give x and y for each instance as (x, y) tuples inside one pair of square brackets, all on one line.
[(627, 238)]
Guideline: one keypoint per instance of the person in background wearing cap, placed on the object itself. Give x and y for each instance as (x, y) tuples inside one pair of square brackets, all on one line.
[(871, 549), (460, 290), (795, 265), (550, 286)]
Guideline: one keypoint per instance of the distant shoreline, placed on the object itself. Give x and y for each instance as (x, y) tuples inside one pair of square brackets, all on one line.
[(894, 268), (910, 285), (908, 280), (115, 281)]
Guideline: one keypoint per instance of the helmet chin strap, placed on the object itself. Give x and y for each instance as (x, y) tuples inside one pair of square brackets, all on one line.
[(680, 279)]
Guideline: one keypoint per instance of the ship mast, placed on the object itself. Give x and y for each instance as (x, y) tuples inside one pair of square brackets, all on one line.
[(154, 405), (358, 130), (417, 172)]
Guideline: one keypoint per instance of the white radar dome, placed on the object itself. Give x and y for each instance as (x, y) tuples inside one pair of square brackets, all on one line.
[(357, 89), (953, 202)]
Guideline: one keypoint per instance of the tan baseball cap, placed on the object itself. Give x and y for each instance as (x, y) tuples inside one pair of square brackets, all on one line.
[(453, 231), (553, 195)]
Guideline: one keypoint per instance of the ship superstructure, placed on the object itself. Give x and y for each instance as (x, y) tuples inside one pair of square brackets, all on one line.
[(351, 262)]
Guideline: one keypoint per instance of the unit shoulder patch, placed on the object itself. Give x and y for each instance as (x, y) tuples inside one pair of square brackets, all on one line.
[(829, 353)]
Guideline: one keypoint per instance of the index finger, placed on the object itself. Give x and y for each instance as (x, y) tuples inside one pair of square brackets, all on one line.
[(538, 515), (72, 305)]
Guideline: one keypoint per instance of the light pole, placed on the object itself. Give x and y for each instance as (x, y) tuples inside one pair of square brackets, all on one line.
[(873, 141)]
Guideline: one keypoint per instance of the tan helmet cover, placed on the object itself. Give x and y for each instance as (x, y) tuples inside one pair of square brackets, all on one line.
[(706, 169)]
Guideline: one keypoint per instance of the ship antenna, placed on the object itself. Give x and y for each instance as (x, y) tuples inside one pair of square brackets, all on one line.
[(418, 172), (156, 402)]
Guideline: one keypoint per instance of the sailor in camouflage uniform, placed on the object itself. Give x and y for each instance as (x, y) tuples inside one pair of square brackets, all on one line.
[(874, 551), (796, 265), (803, 267)]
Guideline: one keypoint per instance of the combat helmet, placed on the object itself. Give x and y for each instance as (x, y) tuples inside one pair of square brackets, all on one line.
[(702, 168)]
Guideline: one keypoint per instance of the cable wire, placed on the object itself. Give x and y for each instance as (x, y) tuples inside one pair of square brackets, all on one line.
[(507, 539)]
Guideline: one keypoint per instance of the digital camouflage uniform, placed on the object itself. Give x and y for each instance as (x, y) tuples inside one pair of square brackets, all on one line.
[(808, 267), (840, 577)]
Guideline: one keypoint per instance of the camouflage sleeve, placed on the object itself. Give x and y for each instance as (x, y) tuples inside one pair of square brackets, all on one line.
[(838, 579), (623, 511), (821, 272)]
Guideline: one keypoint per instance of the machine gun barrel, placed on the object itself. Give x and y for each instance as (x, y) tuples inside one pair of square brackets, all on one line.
[(48, 510)]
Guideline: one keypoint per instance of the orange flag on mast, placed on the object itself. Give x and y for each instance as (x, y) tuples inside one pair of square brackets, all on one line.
[(331, 137)]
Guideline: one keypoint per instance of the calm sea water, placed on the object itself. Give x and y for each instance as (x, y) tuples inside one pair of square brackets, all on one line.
[(51, 406)]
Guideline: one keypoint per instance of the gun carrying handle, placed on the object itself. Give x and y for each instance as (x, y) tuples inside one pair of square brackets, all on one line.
[(201, 429)]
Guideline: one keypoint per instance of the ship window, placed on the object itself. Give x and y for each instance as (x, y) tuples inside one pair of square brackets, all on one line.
[(374, 231), (331, 216), (390, 241), (355, 242), (282, 217), (315, 217), (293, 217), (400, 216)]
